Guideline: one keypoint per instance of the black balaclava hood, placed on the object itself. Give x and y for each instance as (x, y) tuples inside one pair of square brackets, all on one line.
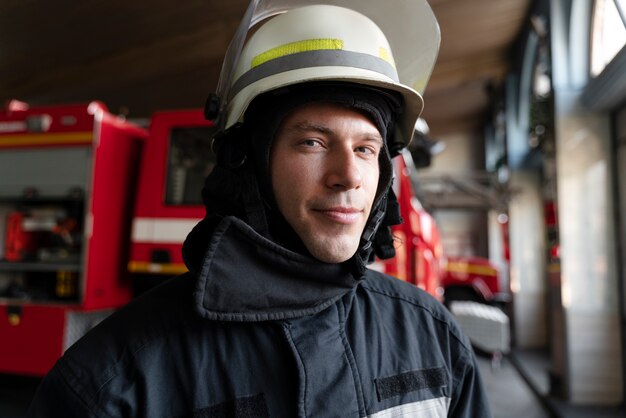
[(240, 184)]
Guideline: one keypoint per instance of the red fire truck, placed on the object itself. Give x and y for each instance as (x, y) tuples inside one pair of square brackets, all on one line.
[(65, 215), (94, 209)]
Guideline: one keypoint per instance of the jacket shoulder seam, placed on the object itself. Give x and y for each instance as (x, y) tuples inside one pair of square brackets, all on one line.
[(420, 305), (69, 378), (110, 372)]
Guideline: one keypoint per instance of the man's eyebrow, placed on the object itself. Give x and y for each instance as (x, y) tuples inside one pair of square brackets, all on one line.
[(374, 138), (311, 126)]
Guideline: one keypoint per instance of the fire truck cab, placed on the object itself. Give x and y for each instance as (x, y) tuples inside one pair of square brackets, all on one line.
[(176, 160)]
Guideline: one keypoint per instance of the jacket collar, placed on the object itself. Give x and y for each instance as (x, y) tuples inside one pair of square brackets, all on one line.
[(246, 277)]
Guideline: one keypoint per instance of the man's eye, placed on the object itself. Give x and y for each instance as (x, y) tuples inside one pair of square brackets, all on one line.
[(310, 143), (366, 150)]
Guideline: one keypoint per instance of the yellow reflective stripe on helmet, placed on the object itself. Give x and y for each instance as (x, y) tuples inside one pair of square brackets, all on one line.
[(295, 47), (386, 55), (311, 59)]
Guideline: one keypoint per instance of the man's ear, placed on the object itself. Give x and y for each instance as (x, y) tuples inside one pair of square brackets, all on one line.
[(231, 146), (383, 239), (392, 214)]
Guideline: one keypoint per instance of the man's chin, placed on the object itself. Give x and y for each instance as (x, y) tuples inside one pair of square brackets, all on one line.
[(332, 253)]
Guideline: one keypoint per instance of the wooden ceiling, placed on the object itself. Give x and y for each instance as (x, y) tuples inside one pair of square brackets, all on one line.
[(141, 56)]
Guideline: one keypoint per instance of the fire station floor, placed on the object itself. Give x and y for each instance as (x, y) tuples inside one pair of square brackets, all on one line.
[(514, 387), (533, 367)]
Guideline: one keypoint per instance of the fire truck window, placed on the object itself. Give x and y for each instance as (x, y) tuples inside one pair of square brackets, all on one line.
[(190, 160)]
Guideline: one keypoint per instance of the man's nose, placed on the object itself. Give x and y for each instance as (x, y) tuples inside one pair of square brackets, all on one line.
[(343, 171)]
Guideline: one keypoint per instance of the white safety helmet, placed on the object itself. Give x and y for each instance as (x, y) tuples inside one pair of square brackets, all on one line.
[(390, 45)]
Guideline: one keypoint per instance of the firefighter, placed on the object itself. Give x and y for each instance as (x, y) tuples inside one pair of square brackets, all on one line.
[(279, 315)]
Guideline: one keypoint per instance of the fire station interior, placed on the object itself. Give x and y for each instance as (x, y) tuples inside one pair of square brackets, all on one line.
[(522, 163)]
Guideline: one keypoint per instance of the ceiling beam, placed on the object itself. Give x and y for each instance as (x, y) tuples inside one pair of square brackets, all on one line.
[(453, 73)]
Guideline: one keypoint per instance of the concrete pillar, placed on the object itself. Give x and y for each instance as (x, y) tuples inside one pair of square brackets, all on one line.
[(528, 262), (588, 262), (589, 280)]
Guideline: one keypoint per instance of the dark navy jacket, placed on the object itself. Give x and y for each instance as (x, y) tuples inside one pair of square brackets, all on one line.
[(264, 332)]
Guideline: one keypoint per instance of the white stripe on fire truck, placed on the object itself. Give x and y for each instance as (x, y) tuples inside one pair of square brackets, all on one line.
[(162, 230)]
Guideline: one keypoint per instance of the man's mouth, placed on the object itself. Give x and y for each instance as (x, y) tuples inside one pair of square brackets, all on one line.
[(341, 214)]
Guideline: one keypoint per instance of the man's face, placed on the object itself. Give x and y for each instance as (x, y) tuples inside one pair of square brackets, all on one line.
[(324, 168)]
